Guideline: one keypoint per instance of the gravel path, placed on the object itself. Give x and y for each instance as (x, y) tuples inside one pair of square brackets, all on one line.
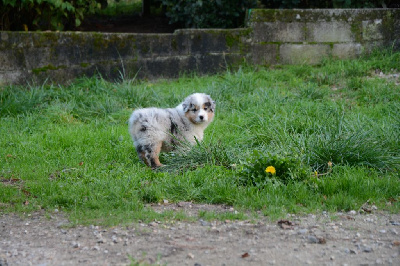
[(322, 239)]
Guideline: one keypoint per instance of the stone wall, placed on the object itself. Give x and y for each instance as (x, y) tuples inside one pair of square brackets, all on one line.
[(62, 56), (307, 36), (271, 37)]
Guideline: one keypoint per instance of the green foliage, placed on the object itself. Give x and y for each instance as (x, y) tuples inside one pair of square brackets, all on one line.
[(45, 14), (208, 14), (326, 4), (286, 168)]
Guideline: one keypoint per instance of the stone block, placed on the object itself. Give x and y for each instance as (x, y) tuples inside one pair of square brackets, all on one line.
[(160, 45), (162, 67), (370, 46), (303, 53), (163, 45), (215, 40), (234, 60), (334, 31), (202, 42), (346, 50), (180, 44), (209, 64), (141, 47), (13, 77), (38, 57), (279, 32), (372, 30), (12, 59), (264, 54)]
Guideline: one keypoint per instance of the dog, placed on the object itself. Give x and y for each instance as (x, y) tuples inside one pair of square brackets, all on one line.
[(154, 129)]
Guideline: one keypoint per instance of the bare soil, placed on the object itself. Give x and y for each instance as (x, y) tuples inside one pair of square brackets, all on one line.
[(351, 238)]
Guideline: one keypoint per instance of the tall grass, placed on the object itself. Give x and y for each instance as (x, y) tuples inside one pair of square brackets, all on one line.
[(333, 129)]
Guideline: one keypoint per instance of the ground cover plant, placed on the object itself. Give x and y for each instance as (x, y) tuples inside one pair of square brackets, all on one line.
[(294, 139)]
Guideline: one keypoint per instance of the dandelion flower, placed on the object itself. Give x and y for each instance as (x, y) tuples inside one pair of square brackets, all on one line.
[(270, 169)]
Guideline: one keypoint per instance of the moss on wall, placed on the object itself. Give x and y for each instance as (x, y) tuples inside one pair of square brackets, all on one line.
[(46, 68)]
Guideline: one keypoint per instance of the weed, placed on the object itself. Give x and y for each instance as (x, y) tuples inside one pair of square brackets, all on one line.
[(263, 168)]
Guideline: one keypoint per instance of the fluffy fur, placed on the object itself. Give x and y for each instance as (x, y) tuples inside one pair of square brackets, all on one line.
[(154, 129)]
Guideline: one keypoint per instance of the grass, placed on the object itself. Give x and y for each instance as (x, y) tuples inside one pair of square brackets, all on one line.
[(337, 126)]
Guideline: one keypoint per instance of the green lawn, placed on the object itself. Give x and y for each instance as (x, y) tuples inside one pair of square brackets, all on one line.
[(331, 132)]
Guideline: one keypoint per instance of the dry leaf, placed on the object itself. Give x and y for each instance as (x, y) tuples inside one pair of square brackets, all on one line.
[(347, 217), (26, 192), (321, 240), (286, 224), (245, 255)]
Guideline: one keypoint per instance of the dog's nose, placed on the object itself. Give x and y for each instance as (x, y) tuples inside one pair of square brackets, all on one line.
[(201, 117)]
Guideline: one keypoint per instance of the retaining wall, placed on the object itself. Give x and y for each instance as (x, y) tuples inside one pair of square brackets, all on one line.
[(271, 37), (60, 57), (310, 35)]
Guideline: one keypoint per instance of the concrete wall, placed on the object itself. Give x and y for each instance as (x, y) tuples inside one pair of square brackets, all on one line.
[(272, 37), (63, 56), (308, 36)]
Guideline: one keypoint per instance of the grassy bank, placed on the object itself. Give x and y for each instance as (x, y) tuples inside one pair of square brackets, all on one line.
[(331, 132)]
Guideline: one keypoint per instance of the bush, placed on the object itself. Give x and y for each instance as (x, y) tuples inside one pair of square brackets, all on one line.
[(208, 14), (45, 14)]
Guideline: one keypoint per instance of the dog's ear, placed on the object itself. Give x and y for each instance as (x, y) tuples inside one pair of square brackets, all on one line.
[(186, 104), (212, 102), (212, 105)]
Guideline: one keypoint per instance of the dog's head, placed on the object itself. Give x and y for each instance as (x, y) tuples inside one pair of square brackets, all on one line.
[(199, 108)]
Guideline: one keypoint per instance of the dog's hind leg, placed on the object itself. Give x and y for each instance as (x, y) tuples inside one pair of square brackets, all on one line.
[(149, 154)]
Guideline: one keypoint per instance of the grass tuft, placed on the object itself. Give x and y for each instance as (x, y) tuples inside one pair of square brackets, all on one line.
[(202, 154)]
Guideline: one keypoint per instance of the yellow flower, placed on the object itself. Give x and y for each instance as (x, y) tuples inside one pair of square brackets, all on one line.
[(270, 169), (316, 173)]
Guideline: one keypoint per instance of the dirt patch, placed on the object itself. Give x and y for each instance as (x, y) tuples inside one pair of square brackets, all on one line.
[(322, 239)]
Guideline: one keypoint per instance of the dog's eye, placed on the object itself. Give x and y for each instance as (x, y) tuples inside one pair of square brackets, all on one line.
[(194, 110), (205, 108)]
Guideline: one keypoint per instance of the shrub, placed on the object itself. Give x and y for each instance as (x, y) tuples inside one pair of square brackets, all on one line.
[(208, 14), (262, 169), (45, 14)]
